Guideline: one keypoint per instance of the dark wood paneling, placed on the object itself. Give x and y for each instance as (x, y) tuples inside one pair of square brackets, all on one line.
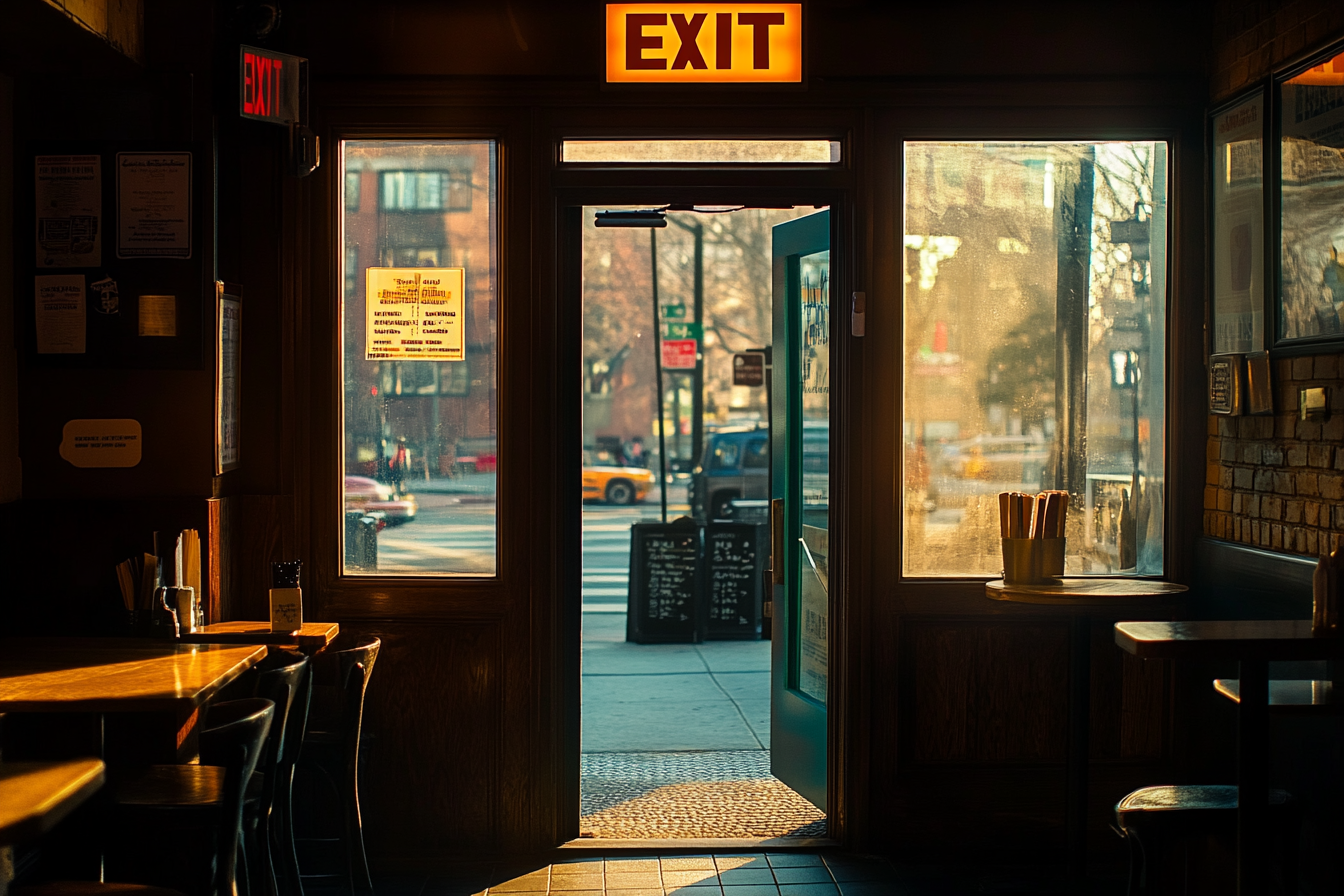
[(431, 779), (987, 693)]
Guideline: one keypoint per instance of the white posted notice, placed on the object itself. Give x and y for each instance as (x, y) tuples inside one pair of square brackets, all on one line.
[(61, 323), (415, 314), (153, 205), (69, 192)]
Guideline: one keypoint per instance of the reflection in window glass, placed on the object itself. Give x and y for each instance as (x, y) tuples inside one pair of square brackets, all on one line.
[(419, 435), (1311, 276), (1035, 308)]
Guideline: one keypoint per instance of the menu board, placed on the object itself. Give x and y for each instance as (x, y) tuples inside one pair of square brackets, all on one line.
[(735, 556), (415, 314), (664, 571)]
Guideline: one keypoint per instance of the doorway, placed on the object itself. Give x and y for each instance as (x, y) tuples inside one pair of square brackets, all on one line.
[(716, 728)]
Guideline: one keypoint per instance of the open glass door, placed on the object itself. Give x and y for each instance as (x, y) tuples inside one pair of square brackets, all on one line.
[(800, 478)]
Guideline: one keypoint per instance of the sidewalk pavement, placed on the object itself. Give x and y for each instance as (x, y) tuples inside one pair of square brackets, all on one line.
[(671, 697)]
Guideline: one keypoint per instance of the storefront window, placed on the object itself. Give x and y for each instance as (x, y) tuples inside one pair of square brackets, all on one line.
[(1035, 309), (419, 357)]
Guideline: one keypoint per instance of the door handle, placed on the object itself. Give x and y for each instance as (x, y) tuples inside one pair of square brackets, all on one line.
[(777, 541)]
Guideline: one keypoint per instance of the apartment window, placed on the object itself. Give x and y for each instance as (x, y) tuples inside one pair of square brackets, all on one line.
[(419, 359), (1033, 356)]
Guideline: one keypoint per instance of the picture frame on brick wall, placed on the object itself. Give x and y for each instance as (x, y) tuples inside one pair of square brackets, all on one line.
[(1308, 203)]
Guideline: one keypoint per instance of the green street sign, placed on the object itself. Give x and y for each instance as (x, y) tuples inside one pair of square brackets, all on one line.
[(674, 311), (683, 331)]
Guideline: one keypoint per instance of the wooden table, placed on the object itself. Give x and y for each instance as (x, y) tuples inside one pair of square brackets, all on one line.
[(35, 796), (165, 682), (1082, 599), (312, 638), (1253, 644)]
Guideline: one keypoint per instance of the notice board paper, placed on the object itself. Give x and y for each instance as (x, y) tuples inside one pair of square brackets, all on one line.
[(153, 205), (415, 314), (61, 321), (69, 211), (158, 315), (101, 443)]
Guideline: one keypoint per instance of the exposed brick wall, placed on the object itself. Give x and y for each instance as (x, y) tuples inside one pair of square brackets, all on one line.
[(1252, 37), (1277, 481)]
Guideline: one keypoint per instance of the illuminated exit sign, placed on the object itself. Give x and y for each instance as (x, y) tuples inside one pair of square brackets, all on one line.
[(705, 43), (270, 85)]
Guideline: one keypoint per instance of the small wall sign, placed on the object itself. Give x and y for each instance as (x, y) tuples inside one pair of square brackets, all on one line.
[(269, 85), (101, 443), (705, 43)]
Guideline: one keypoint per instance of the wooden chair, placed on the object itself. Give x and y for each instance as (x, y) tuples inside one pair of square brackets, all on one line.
[(150, 804), (283, 679), (331, 747), (1183, 839)]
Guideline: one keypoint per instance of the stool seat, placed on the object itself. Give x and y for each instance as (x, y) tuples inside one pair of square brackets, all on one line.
[(1187, 798), (1288, 694), (169, 785)]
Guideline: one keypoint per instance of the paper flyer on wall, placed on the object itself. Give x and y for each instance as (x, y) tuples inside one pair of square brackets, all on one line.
[(61, 323), (415, 314), (69, 211), (153, 205)]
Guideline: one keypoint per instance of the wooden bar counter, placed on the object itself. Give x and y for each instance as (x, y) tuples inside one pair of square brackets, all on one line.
[(146, 691), (35, 796)]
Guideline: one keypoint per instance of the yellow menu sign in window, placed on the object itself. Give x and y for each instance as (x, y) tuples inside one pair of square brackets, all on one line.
[(705, 43), (414, 314)]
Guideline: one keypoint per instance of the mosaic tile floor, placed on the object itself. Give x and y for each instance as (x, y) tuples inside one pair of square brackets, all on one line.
[(729, 794)]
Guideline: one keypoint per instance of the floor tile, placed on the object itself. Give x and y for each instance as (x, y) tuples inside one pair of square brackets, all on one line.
[(843, 869), (808, 890), (565, 883), (687, 863), (655, 891), (881, 888), (627, 866), (698, 878), (738, 876), (794, 860), (816, 874), (751, 890), (632, 880), (725, 860)]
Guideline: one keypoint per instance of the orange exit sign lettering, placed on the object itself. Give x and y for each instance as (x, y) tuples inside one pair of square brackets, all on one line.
[(705, 43)]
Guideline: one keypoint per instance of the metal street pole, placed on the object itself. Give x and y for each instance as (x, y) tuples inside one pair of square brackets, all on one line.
[(698, 382), (658, 377)]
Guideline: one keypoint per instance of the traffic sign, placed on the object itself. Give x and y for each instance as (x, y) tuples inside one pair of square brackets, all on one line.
[(677, 312), (683, 331), (679, 354), (749, 369)]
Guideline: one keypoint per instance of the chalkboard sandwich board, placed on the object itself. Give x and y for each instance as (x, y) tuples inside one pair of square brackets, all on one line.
[(735, 558), (664, 600)]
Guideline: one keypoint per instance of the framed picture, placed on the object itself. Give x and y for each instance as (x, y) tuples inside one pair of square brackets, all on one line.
[(1237, 200), (228, 364), (1309, 203)]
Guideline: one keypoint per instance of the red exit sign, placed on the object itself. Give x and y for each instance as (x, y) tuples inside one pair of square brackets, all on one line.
[(269, 85)]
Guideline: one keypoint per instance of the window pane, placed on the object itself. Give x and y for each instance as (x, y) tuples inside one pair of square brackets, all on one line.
[(419, 358), (1035, 309), (702, 152)]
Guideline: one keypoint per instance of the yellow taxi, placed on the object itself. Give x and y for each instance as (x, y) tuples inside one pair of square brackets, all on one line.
[(606, 479)]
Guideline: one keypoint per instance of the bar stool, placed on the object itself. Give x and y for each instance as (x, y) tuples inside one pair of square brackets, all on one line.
[(150, 804), (1182, 838), (331, 747)]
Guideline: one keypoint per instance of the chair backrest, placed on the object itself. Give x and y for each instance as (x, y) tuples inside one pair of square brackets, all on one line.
[(233, 737), (340, 677), (282, 679)]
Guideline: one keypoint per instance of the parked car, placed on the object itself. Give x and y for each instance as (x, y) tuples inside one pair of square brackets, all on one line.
[(606, 479), (1015, 459), (475, 455), (372, 497), (736, 465)]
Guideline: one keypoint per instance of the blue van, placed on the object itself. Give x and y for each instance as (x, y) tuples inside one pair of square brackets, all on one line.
[(736, 465)]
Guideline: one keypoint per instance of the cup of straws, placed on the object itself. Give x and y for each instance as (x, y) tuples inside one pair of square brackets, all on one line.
[(1033, 536)]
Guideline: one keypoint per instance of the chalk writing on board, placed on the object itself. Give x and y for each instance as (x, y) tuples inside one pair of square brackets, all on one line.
[(669, 576), (732, 560)]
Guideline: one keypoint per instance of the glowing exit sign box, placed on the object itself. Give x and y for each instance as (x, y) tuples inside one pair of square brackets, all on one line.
[(271, 85), (705, 43)]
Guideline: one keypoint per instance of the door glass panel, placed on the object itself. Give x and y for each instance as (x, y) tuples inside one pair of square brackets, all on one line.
[(419, 357), (814, 470), (1033, 357)]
